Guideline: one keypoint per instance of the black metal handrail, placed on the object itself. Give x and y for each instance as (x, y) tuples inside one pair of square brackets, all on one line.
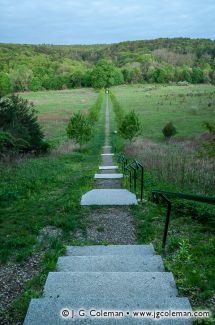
[(166, 195), (129, 167)]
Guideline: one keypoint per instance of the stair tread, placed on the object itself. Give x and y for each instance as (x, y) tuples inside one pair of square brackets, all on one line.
[(110, 284), (46, 311), (109, 197), (110, 263)]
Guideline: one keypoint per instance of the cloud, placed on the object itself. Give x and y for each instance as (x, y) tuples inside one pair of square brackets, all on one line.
[(99, 21)]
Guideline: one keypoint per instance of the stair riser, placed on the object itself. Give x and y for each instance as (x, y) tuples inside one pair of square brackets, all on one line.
[(97, 250), (110, 264)]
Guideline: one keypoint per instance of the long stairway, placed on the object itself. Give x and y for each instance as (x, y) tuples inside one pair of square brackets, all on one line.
[(107, 181), (120, 278)]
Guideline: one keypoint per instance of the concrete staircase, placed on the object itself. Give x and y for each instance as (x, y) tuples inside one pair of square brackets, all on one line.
[(123, 278), (111, 193)]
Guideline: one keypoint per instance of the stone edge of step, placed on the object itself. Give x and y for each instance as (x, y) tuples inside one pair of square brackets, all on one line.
[(119, 249), (77, 263)]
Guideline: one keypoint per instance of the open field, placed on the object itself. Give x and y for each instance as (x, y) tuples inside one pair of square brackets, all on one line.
[(180, 164), (56, 107), (186, 106)]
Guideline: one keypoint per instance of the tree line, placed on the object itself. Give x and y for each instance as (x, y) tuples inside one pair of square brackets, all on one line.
[(46, 67)]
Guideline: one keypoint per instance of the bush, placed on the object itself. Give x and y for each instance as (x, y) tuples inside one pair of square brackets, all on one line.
[(210, 127), (169, 130), (79, 128), (207, 148), (130, 127), (19, 124), (6, 141), (5, 84), (45, 147)]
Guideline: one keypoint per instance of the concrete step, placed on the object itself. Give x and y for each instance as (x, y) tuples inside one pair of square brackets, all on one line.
[(107, 167), (107, 154), (118, 285), (108, 176), (110, 263), (47, 311), (108, 171), (109, 197), (99, 250)]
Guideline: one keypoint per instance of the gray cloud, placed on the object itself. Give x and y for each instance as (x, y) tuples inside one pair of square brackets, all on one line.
[(99, 21)]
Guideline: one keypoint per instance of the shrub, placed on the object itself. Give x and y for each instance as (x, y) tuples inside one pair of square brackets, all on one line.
[(45, 147), (6, 141), (79, 128), (210, 127), (5, 84), (130, 127), (169, 130), (208, 147), (19, 121)]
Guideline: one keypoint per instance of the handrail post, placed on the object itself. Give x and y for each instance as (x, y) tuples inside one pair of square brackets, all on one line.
[(135, 180), (169, 208), (141, 189), (130, 178)]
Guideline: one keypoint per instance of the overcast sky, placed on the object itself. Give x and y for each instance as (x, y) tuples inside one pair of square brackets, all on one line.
[(99, 21)]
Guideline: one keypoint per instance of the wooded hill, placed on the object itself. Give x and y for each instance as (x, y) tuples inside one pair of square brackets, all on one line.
[(37, 67)]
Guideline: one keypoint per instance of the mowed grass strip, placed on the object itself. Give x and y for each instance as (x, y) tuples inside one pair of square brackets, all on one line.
[(186, 106), (56, 107)]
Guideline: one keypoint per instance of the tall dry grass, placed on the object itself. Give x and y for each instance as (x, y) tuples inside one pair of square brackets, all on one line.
[(176, 163), (66, 147)]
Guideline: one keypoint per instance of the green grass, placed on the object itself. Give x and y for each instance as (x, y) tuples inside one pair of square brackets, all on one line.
[(177, 163), (56, 107), (44, 191), (189, 252), (40, 192), (186, 106), (175, 167)]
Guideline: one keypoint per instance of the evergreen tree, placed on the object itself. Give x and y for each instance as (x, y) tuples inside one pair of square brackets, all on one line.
[(130, 126)]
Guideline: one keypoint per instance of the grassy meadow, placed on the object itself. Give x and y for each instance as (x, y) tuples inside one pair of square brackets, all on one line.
[(56, 107), (179, 164), (186, 106)]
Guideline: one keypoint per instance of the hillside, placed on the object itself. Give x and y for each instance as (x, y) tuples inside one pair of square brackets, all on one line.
[(36, 67)]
